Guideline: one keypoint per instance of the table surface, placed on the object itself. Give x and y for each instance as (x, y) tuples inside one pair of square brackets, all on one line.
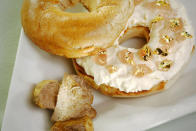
[(9, 35)]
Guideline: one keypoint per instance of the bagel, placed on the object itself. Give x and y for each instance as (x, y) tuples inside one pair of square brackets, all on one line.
[(75, 35), (127, 72)]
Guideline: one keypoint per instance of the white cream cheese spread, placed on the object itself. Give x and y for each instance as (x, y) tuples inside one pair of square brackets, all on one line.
[(122, 78)]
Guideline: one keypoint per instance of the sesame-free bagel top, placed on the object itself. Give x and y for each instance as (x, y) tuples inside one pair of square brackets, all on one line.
[(75, 35)]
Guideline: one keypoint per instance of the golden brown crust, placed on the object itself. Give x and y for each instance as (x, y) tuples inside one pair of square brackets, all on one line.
[(92, 113), (80, 124), (114, 92), (75, 35)]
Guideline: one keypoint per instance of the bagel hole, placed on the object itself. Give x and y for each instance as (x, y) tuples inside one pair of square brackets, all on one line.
[(135, 37), (76, 8), (135, 42)]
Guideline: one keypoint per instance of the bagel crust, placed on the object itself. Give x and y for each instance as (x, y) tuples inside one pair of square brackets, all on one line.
[(75, 35), (152, 68)]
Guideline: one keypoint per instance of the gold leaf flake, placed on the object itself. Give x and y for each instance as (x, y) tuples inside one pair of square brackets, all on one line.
[(102, 52), (157, 19), (162, 3), (126, 56), (145, 53), (167, 39), (159, 51), (165, 65), (186, 34), (174, 22)]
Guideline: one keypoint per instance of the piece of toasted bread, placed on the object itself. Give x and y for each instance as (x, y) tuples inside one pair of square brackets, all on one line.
[(45, 94), (114, 92), (80, 124), (74, 99)]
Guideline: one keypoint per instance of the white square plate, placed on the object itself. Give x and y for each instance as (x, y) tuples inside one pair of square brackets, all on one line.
[(33, 65)]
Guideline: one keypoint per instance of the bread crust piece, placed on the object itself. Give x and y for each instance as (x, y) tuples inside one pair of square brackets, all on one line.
[(74, 99), (45, 95), (114, 92), (75, 35), (80, 124)]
